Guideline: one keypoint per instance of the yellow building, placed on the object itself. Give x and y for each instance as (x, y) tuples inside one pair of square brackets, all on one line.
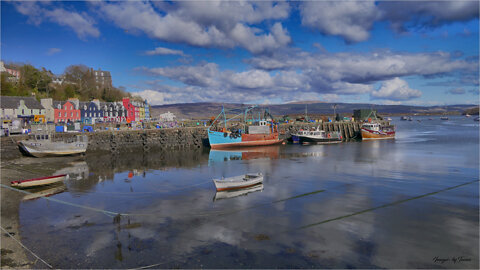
[(142, 113)]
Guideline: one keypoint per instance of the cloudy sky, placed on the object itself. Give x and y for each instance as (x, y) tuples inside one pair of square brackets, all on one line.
[(383, 52)]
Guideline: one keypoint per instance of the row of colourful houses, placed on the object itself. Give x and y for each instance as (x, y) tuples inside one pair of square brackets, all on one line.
[(73, 110)]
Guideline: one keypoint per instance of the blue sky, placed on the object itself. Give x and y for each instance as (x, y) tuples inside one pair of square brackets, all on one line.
[(383, 52)]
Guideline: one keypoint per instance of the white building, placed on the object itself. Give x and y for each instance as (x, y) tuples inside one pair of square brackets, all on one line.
[(167, 117)]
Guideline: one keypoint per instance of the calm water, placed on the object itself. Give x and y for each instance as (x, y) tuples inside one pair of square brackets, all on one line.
[(412, 202)]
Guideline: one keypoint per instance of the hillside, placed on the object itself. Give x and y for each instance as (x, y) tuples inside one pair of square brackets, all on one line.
[(207, 110)]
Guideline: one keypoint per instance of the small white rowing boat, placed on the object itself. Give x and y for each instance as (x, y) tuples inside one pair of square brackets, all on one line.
[(38, 181), (241, 181)]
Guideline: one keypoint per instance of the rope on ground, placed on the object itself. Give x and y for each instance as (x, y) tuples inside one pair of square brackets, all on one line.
[(36, 256)]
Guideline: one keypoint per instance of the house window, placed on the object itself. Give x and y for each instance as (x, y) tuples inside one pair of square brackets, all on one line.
[(65, 114), (59, 114), (90, 114), (71, 114), (77, 114), (23, 111), (94, 114)]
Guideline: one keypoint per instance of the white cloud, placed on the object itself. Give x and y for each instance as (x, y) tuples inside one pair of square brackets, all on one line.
[(322, 73), (153, 97), (202, 75), (252, 79), (53, 51), (404, 14), (395, 90), (81, 23), (223, 24), (351, 20), (164, 51)]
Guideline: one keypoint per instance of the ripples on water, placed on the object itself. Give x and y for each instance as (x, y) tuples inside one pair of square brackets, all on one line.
[(358, 204)]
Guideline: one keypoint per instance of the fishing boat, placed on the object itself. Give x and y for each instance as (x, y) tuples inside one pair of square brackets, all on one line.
[(375, 130), (237, 182), (262, 131), (319, 136), (35, 182), (41, 145), (404, 118), (444, 118), (227, 194)]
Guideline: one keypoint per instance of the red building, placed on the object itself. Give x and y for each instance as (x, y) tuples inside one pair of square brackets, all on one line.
[(65, 111), (130, 110)]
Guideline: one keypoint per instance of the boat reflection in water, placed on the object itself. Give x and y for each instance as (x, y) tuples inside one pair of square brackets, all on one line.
[(76, 170), (238, 192), (44, 192), (270, 152)]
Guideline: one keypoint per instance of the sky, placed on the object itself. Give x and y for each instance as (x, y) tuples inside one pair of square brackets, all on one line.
[(264, 52)]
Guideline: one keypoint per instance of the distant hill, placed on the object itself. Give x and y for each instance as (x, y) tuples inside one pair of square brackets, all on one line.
[(205, 110)]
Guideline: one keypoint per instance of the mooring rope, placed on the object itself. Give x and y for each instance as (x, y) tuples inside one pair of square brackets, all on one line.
[(108, 213), (36, 256)]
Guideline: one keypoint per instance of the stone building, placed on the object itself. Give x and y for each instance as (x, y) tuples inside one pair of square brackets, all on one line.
[(102, 78)]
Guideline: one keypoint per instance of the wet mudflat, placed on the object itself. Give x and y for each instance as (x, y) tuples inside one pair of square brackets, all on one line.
[(412, 202)]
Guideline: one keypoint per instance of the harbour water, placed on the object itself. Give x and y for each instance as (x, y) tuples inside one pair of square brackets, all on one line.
[(412, 202)]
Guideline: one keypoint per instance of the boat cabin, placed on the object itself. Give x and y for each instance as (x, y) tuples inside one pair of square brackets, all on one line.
[(372, 126)]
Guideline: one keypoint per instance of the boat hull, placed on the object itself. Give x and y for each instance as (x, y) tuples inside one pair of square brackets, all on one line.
[(45, 149), (220, 140), (377, 135), (305, 139), (238, 182), (38, 181)]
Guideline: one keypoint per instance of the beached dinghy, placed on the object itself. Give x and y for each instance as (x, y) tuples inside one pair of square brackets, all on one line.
[(236, 182), (38, 181)]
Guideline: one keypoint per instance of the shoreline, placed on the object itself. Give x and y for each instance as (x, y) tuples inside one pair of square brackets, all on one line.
[(13, 255)]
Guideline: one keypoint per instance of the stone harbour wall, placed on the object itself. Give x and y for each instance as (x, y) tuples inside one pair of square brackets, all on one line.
[(169, 139)]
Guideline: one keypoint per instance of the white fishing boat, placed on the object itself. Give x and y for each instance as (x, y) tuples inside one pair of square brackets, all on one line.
[(38, 181), (41, 145), (236, 182), (237, 192), (319, 136)]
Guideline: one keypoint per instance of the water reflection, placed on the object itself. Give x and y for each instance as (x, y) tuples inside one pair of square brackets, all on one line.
[(246, 153), (362, 205), (45, 191), (219, 195)]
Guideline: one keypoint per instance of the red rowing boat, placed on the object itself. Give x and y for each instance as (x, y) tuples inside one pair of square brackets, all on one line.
[(38, 181)]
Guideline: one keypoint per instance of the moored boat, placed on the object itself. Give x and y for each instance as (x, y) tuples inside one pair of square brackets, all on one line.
[(41, 145), (38, 181), (320, 136), (261, 132), (376, 131), (237, 182)]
